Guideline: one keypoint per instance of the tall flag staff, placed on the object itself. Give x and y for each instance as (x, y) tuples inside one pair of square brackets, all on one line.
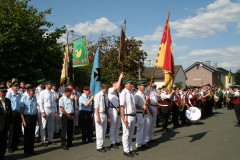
[(164, 59), (122, 44), (96, 81), (64, 73)]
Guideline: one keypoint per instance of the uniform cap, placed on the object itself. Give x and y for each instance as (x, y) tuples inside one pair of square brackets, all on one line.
[(48, 82), (86, 88), (3, 89), (40, 81), (15, 83), (30, 87), (68, 89), (128, 80), (68, 84), (143, 83)]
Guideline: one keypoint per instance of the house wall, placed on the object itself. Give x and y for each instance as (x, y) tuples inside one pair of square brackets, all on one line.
[(198, 76), (159, 82), (181, 78), (216, 79)]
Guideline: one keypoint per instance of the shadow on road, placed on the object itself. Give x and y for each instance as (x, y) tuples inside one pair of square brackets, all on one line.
[(197, 136)]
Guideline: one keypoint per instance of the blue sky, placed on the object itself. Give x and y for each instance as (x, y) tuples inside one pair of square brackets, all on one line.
[(202, 30)]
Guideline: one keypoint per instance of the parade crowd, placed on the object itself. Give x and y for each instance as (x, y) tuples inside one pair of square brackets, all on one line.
[(39, 112)]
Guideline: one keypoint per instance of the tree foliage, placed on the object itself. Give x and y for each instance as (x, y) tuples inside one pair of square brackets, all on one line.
[(28, 50), (237, 77), (109, 57)]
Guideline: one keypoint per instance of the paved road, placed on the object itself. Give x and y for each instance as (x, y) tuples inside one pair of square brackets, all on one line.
[(212, 138)]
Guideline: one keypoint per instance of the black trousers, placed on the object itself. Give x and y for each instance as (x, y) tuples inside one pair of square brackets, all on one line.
[(67, 129), (15, 131), (165, 115), (183, 116), (29, 133), (175, 115), (3, 141), (237, 111), (204, 108), (230, 104), (86, 122)]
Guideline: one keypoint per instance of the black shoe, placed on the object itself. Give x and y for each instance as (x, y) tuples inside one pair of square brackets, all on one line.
[(84, 142), (141, 148), (101, 150), (128, 154), (34, 153), (49, 143), (134, 153), (114, 146), (44, 144), (10, 150), (118, 144), (37, 140), (145, 146), (27, 154), (106, 148), (70, 145), (65, 147)]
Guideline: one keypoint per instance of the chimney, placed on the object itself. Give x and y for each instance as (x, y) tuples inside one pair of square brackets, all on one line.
[(207, 63), (215, 65)]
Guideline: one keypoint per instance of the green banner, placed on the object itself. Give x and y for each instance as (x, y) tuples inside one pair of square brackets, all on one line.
[(80, 53)]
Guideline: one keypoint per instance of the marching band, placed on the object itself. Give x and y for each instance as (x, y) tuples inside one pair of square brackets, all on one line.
[(42, 111)]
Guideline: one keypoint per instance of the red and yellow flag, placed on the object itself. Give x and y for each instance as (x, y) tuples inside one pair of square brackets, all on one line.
[(165, 56)]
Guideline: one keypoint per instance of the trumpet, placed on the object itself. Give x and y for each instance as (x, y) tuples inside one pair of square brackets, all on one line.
[(182, 105)]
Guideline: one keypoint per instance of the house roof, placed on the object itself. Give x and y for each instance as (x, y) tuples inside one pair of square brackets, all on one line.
[(224, 71), (204, 65), (159, 74)]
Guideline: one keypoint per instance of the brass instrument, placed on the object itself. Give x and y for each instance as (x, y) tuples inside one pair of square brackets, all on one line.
[(182, 104), (216, 99)]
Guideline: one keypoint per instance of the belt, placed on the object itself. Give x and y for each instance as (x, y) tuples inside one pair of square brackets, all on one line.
[(130, 115), (28, 115), (154, 105), (15, 111), (113, 107), (141, 112)]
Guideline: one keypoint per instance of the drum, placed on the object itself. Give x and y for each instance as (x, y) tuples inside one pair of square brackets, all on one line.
[(216, 99), (228, 100), (193, 114)]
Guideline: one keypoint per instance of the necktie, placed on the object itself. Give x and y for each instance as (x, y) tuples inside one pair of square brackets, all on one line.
[(50, 98), (105, 103)]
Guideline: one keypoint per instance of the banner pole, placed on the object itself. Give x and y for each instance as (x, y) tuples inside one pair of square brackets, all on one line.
[(72, 55)]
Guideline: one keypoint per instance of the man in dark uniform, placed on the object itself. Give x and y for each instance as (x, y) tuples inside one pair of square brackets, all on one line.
[(28, 112), (236, 102), (15, 131), (5, 120)]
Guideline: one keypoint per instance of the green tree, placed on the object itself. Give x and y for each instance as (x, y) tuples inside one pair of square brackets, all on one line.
[(237, 77), (28, 49), (110, 66)]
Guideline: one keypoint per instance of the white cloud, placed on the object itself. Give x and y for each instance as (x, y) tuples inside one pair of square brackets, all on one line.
[(98, 26), (156, 36), (215, 18), (226, 57)]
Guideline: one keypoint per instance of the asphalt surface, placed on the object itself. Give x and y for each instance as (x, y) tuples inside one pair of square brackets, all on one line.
[(212, 138)]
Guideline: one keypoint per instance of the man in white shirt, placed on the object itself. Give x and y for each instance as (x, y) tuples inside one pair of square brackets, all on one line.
[(48, 108), (113, 96), (101, 117), (142, 120), (166, 102), (37, 94), (128, 114)]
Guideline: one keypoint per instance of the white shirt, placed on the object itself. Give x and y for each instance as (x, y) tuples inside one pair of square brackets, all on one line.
[(113, 98), (165, 95), (37, 93), (152, 95), (140, 100), (46, 101), (127, 100), (236, 94), (99, 101)]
